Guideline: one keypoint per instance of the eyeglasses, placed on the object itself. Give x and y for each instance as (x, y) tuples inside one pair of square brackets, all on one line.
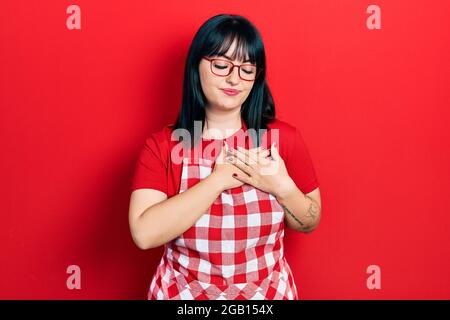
[(223, 68)]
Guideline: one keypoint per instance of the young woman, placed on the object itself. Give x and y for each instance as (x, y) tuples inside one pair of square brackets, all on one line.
[(221, 207)]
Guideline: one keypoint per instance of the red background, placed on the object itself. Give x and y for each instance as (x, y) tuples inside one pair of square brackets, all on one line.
[(372, 105)]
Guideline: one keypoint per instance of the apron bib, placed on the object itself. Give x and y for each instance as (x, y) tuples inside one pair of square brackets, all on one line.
[(233, 251)]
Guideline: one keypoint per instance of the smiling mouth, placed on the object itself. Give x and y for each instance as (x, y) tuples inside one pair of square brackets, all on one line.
[(231, 92)]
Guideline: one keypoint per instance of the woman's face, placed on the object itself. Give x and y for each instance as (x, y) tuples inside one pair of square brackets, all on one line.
[(213, 86)]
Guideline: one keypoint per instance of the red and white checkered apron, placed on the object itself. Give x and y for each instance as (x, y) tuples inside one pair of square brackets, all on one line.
[(234, 251)]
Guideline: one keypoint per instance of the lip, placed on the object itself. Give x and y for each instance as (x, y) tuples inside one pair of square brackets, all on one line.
[(230, 92)]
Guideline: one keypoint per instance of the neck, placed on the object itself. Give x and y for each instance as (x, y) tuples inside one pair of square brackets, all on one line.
[(226, 123)]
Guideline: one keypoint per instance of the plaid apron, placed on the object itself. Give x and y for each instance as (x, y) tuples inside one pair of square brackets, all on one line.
[(234, 250)]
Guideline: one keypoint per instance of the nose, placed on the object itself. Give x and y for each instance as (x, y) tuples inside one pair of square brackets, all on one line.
[(233, 77)]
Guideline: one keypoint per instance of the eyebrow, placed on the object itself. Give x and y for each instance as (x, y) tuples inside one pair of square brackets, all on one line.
[(248, 60)]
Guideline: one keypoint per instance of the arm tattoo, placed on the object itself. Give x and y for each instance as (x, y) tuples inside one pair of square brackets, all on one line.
[(292, 215), (311, 213), (313, 209)]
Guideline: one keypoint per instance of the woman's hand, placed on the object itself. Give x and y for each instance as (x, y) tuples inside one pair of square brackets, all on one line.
[(267, 174), (224, 171)]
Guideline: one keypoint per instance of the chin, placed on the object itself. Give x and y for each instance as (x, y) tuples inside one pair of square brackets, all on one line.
[(225, 103), (228, 106)]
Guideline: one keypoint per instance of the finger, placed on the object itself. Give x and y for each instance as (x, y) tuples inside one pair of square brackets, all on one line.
[(265, 162), (255, 155), (245, 157), (243, 178), (241, 165), (256, 150), (221, 156), (259, 158), (259, 150), (245, 154), (263, 154)]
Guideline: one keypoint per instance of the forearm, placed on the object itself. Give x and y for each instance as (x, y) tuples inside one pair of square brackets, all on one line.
[(168, 219), (302, 213)]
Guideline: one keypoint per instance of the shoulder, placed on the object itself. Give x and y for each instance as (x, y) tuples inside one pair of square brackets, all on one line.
[(161, 136), (157, 143)]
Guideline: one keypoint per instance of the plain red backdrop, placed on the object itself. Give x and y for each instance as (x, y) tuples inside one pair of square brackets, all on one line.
[(372, 105)]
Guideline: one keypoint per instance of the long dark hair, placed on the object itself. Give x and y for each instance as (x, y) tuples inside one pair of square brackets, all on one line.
[(214, 38)]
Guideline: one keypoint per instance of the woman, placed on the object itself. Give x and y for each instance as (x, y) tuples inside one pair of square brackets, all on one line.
[(221, 207)]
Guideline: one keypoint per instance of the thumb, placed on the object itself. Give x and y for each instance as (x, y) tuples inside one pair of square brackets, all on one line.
[(274, 151)]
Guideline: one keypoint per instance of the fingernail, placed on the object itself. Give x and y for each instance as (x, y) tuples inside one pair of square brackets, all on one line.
[(234, 175)]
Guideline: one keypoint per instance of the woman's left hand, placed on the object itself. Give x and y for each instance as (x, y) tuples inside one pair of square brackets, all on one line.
[(267, 174)]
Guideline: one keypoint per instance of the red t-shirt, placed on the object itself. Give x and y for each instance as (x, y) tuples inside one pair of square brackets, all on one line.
[(155, 168)]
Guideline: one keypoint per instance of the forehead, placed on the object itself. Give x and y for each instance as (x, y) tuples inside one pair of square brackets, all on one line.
[(237, 52), (234, 49)]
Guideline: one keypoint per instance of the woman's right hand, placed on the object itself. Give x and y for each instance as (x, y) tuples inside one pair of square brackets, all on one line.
[(224, 170)]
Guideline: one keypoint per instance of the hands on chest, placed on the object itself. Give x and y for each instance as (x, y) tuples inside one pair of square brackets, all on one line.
[(263, 169)]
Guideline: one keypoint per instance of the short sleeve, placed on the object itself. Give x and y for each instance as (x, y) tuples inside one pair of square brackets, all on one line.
[(299, 164), (151, 168)]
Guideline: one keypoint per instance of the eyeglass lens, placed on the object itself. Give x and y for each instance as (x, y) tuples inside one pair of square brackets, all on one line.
[(223, 68)]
